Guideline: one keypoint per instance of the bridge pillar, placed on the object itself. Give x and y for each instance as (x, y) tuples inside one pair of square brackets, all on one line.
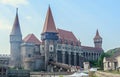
[(75, 58), (63, 57), (79, 59), (69, 55)]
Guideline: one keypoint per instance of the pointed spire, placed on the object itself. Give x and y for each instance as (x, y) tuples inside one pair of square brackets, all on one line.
[(97, 33), (49, 25), (17, 11), (97, 36), (16, 26)]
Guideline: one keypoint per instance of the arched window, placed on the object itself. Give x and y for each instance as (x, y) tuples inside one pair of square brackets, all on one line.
[(83, 53), (86, 54), (89, 54)]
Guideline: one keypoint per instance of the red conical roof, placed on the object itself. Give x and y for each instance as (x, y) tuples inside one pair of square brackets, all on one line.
[(97, 36), (31, 38), (49, 25), (16, 26)]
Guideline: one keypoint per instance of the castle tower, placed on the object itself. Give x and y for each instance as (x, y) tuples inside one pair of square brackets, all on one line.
[(49, 36), (98, 40), (15, 42)]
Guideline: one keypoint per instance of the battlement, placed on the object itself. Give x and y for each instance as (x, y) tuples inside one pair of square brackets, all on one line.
[(4, 56)]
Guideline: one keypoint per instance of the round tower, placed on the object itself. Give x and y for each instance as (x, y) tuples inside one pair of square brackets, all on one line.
[(49, 36), (98, 40), (15, 42)]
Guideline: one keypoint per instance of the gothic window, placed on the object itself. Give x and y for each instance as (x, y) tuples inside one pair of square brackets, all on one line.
[(29, 55), (89, 54), (83, 53), (43, 48), (86, 54), (59, 46), (51, 48)]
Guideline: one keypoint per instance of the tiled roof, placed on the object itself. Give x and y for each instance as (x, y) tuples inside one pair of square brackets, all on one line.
[(97, 36), (67, 35), (16, 26), (111, 59), (31, 38), (49, 25), (91, 48)]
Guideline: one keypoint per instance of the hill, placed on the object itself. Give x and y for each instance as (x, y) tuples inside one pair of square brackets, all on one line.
[(111, 52)]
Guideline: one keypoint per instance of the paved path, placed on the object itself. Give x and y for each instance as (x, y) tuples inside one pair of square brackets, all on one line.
[(105, 74)]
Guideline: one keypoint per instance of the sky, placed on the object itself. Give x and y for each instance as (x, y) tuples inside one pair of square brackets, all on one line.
[(82, 17)]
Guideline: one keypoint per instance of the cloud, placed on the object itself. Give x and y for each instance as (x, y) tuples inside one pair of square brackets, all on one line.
[(4, 26), (28, 17), (14, 2)]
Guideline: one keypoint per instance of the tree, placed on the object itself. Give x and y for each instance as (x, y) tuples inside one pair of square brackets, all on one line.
[(100, 60)]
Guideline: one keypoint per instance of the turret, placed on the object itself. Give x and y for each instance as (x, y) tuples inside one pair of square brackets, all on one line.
[(49, 30), (98, 40), (49, 36), (15, 42)]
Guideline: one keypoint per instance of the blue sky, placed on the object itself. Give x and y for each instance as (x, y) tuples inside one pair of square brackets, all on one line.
[(82, 17)]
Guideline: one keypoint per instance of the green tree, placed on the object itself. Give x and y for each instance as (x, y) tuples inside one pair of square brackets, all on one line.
[(100, 60), (109, 53), (93, 63)]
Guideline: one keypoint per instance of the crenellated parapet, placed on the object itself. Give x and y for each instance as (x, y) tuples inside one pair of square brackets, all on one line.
[(4, 59)]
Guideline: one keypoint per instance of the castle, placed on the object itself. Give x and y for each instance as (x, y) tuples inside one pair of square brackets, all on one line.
[(57, 45)]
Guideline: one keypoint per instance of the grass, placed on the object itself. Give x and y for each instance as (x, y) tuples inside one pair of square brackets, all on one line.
[(113, 71), (94, 76)]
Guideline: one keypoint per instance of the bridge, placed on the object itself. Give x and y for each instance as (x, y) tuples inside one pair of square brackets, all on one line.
[(61, 67)]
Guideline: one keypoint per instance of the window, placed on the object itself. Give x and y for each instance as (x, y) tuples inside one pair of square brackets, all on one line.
[(29, 55), (59, 47), (51, 48), (43, 48), (108, 64)]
